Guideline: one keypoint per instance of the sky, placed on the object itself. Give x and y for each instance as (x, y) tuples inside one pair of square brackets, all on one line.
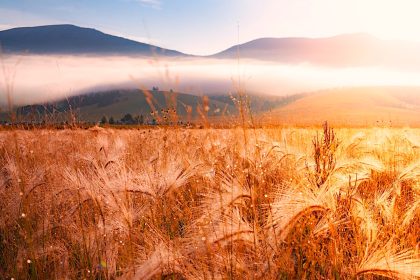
[(205, 27)]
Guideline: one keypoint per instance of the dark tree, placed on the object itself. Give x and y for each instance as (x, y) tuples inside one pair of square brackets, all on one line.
[(104, 120), (128, 119), (139, 119), (111, 120)]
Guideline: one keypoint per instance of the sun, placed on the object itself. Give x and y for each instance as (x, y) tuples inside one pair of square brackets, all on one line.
[(388, 19)]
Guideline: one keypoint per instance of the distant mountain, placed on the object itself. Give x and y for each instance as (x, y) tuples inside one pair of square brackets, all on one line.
[(71, 39), (338, 51), (353, 106), (349, 50)]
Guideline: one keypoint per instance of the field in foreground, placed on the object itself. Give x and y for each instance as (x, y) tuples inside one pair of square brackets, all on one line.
[(210, 204)]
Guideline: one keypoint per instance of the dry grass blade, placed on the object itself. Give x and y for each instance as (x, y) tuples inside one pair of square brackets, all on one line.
[(388, 262), (292, 203), (163, 257)]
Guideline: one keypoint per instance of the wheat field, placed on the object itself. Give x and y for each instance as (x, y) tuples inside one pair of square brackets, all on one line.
[(176, 203)]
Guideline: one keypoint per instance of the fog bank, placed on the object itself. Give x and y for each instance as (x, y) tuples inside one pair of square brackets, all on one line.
[(34, 78)]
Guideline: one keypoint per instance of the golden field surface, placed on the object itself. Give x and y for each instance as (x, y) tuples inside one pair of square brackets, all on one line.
[(359, 106), (175, 203)]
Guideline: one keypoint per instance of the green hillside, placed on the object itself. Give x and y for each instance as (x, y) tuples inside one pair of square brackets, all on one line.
[(117, 103), (147, 105)]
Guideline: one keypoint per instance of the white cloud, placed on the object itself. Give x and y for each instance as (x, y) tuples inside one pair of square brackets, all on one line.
[(155, 4)]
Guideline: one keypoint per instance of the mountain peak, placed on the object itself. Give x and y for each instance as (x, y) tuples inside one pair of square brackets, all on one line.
[(49, 27), (345, 50), (72, 39)]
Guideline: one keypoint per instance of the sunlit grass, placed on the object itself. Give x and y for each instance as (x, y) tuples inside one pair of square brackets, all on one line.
[(208, 203)]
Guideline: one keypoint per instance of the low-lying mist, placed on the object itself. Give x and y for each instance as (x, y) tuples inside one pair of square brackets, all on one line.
[(29, 79)]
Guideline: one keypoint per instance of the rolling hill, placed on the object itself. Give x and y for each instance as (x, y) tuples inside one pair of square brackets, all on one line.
[(92, 107), (71, 39), (116, 103), (364, 106)]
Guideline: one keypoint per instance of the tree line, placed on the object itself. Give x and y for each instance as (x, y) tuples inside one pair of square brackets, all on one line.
[(126, 119)]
